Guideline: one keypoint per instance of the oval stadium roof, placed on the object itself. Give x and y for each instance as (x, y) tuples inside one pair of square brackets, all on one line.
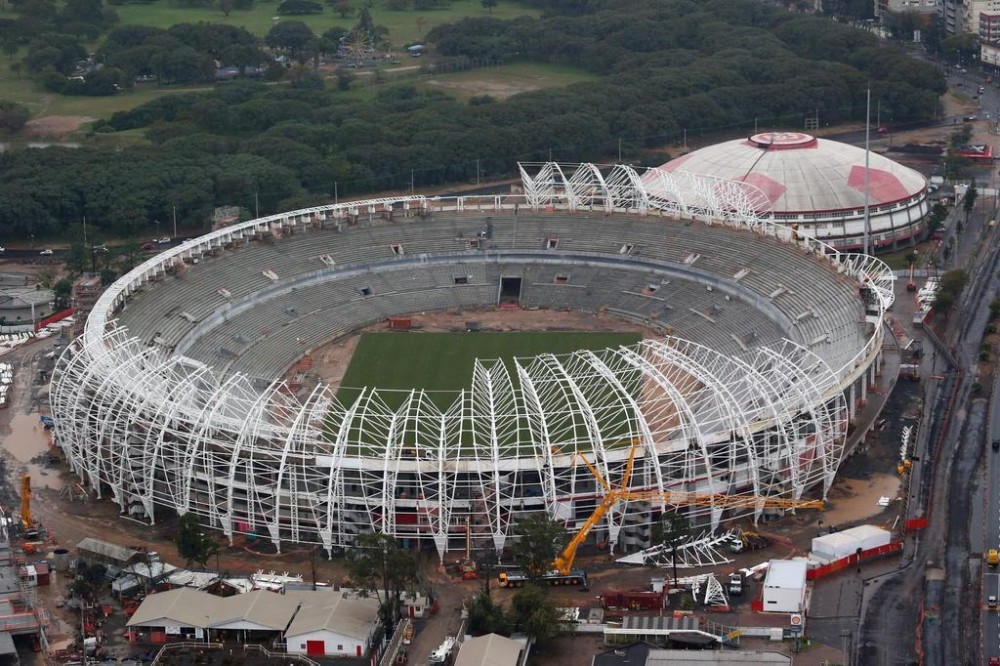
[(800, 173)]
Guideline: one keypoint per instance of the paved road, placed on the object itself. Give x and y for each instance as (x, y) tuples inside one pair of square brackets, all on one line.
[(991, 532)]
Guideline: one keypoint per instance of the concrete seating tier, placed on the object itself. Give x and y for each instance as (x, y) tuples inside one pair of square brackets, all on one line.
[(262, 339)]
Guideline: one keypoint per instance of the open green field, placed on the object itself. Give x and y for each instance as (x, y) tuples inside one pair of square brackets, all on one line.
[(406, 27), (505, 80), (444, 361)]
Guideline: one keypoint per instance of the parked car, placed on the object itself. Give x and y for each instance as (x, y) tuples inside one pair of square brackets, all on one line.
[(991, 601), (148, 247), (970, 119), (101, 248), (995, 445), (46, 253), (2, 249), (165, 240)]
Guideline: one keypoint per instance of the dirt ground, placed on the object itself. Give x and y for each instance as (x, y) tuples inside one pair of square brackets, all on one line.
[(55, 127)]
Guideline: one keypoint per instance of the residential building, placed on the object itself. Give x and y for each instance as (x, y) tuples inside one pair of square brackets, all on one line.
[(489, 650)]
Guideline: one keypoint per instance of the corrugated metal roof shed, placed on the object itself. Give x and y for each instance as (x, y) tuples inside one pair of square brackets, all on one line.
[(489, 650), (715, 658)]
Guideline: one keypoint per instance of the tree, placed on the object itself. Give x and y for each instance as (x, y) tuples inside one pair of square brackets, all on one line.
[(950, 288), (938, 214), (13, 116), (541, 540), (969, 203), (292, 35), (377, 565), (673, 530), (489, 5), (534, 613), (486, 617), (343, 8), (226, 6), (192, 543), (62, 291)]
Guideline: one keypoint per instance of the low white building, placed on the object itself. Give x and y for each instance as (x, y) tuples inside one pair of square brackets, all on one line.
[(489, 650), (181, 612), (785, 586), (836, 545), (247, 616), (330, 625)]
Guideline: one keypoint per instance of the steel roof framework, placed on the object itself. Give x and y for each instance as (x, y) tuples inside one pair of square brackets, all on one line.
[(156, 430)]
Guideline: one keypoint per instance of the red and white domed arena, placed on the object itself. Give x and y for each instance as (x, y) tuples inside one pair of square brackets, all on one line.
[(818, 185)]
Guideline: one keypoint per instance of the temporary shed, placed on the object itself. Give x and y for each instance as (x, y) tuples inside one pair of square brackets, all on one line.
[(785, 586), (716, 658), (257, 611), (96, 551), (489, 650), (330, 625), (841, 544), (181, 611)]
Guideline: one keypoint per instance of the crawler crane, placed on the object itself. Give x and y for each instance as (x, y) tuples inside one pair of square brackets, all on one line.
[(563, 573)]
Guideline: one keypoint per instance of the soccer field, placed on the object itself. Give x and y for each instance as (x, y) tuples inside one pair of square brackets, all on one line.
[(444, 361)]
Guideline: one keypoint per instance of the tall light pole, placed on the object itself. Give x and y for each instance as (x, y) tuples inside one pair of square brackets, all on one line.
[(868, 117)]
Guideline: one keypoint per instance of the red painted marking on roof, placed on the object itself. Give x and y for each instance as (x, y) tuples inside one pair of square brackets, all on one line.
[(771, 188), (783, 140), (883, 185)]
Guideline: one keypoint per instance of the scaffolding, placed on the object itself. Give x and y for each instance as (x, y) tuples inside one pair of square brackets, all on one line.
[(154, 429)]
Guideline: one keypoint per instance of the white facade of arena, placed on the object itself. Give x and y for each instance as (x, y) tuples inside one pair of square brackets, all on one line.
[(818, 185), (156, 429)]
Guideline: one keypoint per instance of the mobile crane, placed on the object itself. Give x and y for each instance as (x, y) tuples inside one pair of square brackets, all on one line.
[(26, 522), (563, 573)]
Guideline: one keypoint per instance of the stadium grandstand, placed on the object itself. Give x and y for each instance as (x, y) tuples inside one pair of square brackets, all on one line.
[(762, 342)]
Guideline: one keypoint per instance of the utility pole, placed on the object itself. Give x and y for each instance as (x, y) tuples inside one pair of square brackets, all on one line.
[(619, 150), (411, 182), (868, 118), (335, 196), (256, 205), (175, 221)]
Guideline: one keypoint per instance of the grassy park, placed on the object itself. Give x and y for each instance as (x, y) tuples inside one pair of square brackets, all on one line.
[(405, 27)]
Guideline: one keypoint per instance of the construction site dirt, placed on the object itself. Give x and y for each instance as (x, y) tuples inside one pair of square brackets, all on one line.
[(69, 513)]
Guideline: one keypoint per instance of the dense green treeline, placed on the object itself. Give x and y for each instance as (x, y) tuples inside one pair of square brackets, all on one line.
[(666, 68)]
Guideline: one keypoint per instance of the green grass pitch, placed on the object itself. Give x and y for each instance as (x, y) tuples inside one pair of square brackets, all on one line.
[(444, 361)]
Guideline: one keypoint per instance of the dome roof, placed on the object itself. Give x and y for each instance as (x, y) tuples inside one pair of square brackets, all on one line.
[(800, 173)]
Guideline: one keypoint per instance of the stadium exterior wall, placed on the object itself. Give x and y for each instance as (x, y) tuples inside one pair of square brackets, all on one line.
[(158, 430)]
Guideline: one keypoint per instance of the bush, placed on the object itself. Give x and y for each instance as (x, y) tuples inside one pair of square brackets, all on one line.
[(299, 7), (13, 116)]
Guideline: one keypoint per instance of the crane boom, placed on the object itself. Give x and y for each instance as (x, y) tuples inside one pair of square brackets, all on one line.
[(563, 563), (26, 501)]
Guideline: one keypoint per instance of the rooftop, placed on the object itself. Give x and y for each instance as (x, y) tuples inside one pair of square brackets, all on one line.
[(489, 650), (801, 173)]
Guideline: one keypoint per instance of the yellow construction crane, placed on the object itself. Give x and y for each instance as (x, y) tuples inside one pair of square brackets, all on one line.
[(26, 502), (563, 564)]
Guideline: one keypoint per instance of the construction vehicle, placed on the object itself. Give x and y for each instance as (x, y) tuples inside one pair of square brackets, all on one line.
[(993, 557), (911, 285), (562, 572), (735, 587), (467, 566), (749, 542), (26, 521)]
